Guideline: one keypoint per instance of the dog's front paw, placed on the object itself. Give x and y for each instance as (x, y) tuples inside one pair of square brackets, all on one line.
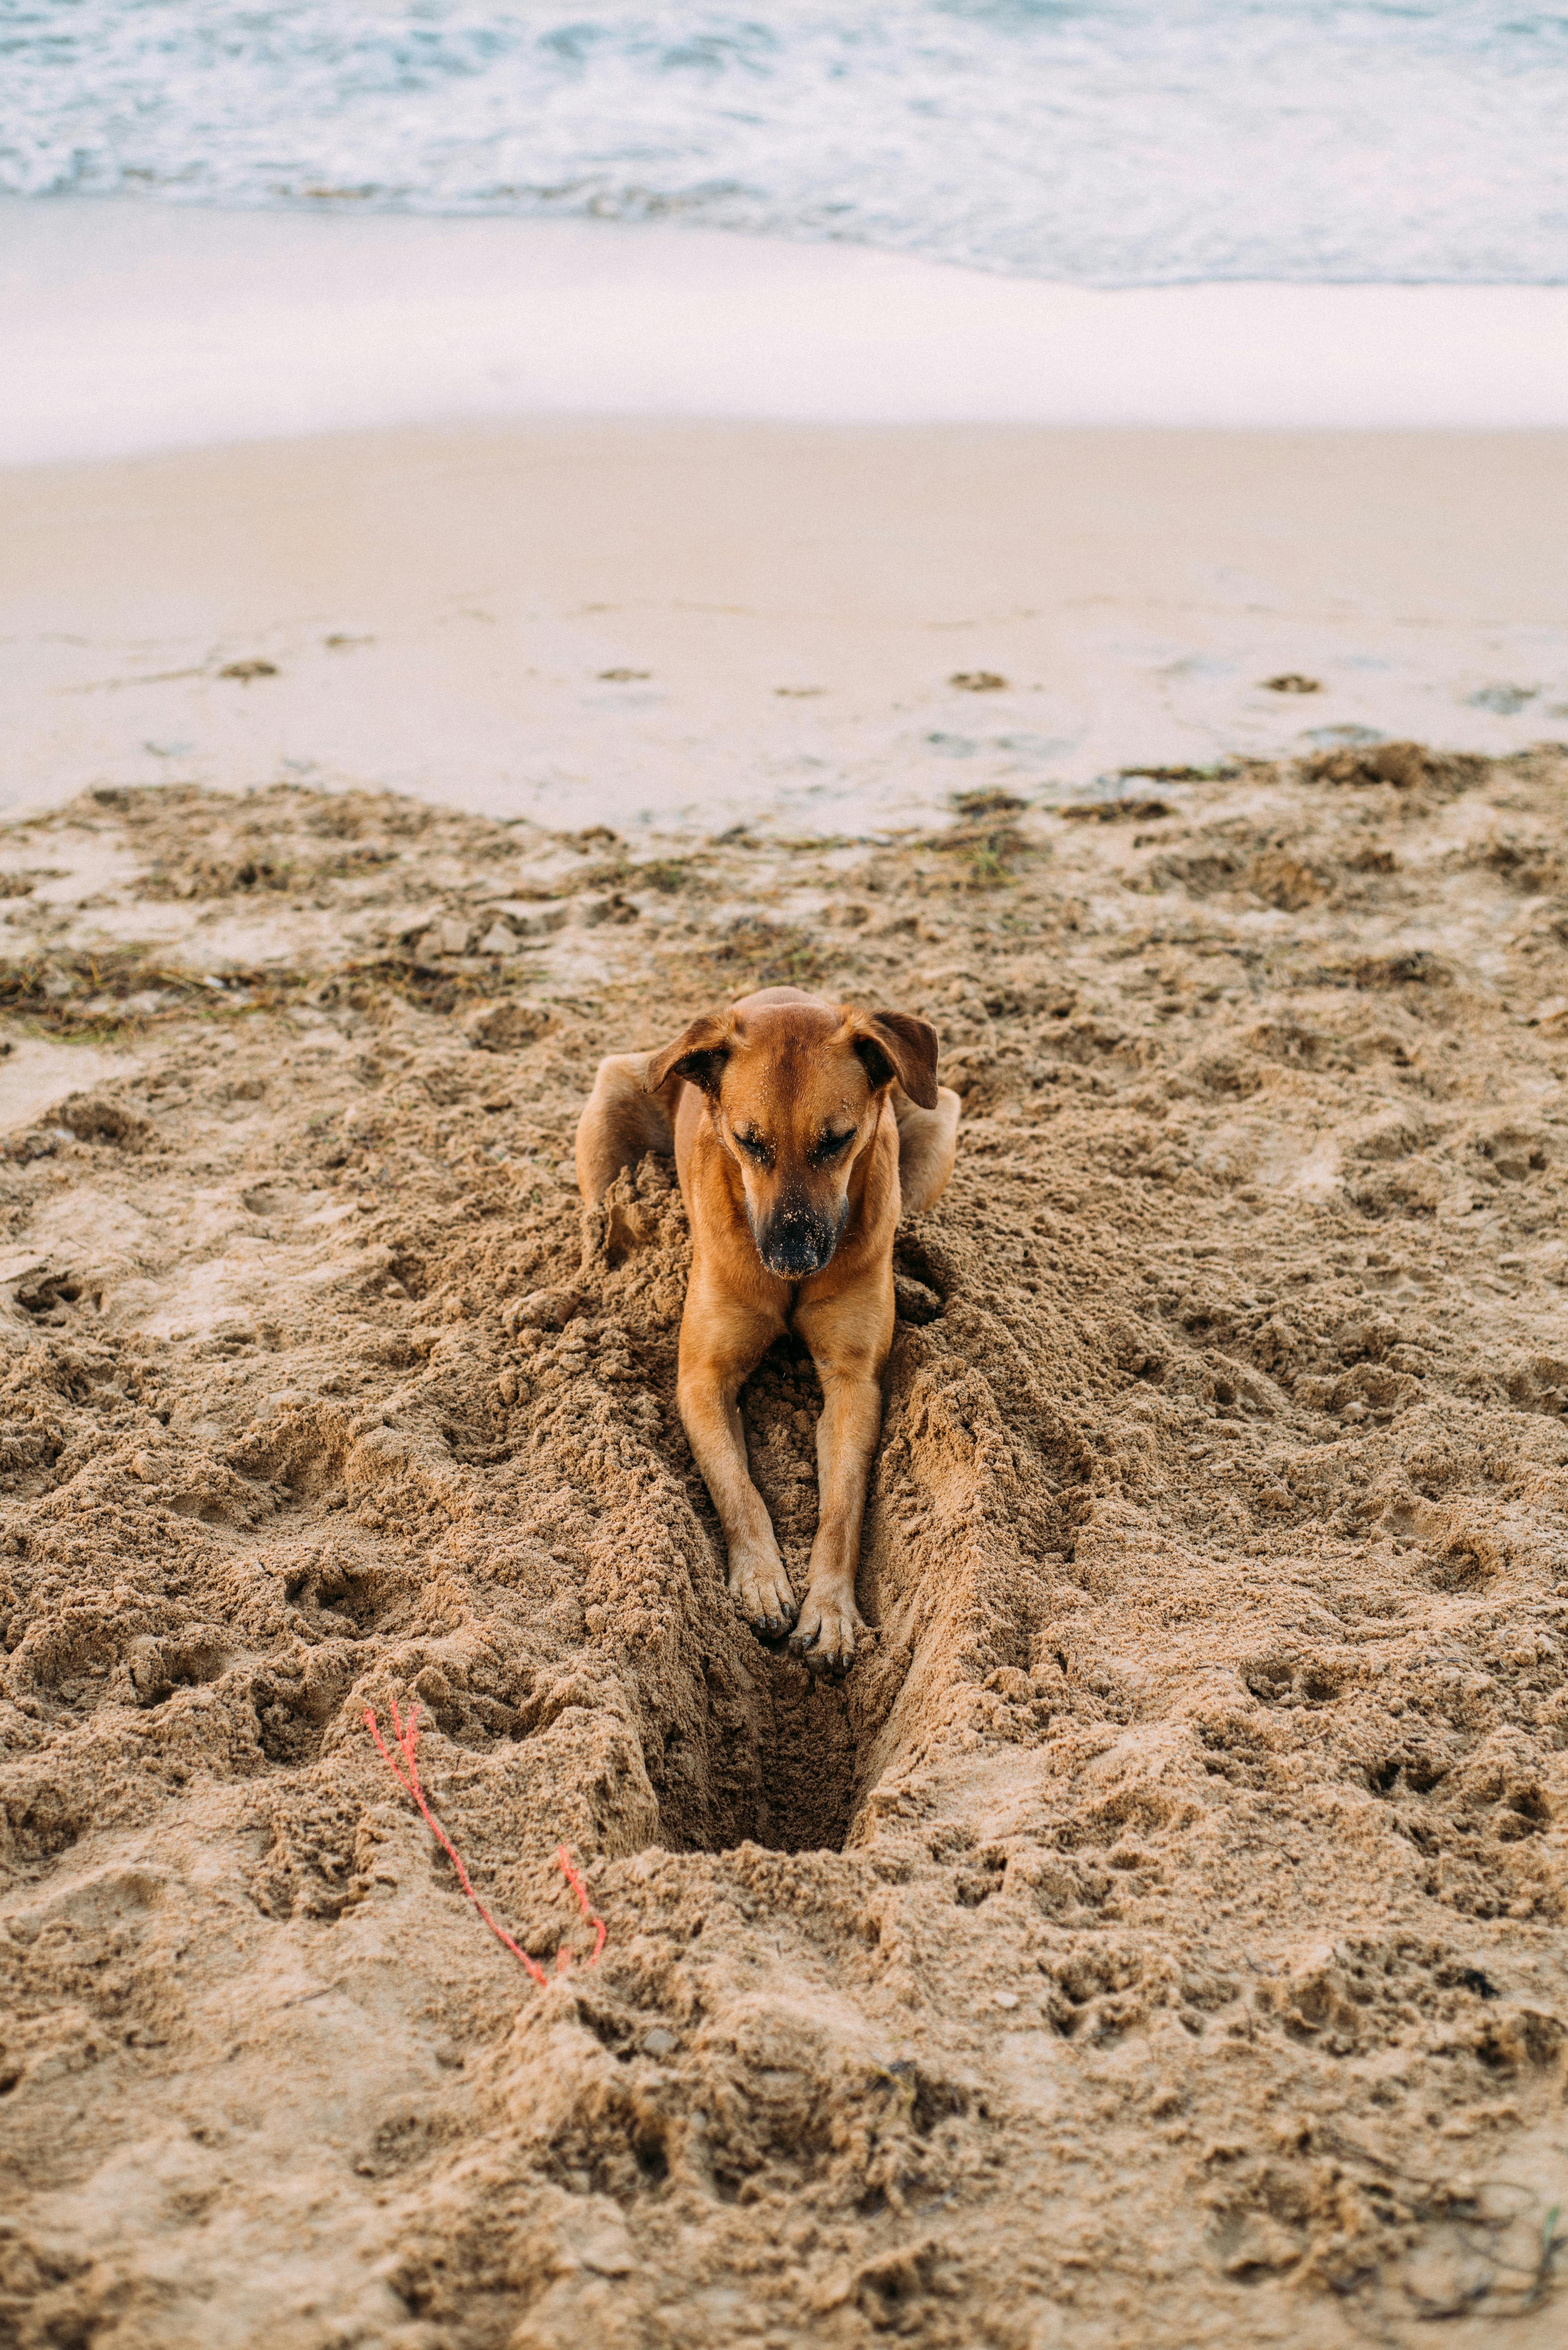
[(823, 1639), (761, 1590)]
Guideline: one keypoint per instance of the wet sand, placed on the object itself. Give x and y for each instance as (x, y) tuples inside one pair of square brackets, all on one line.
[(654, 622), (133, 326)]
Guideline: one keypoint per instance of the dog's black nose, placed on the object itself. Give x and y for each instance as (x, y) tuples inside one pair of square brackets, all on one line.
[(796, 1241), (792, 1259)]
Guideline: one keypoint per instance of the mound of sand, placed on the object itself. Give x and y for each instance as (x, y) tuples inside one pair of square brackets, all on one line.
[(1156, 1939)]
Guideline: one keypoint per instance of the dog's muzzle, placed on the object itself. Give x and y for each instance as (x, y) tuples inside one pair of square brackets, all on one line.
[(798, 1239)]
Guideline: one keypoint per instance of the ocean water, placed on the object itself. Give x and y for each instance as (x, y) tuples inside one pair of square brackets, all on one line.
[(1111, 142)]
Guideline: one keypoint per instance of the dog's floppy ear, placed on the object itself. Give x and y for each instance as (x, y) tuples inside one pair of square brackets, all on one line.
[(895, 1044), (699, 1054)]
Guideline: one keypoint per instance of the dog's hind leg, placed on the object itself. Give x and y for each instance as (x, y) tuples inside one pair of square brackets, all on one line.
[(927, 1139), (620, 1120)]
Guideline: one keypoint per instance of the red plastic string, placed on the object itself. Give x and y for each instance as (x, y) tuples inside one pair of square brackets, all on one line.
[(405, 1738), (590, 1914)]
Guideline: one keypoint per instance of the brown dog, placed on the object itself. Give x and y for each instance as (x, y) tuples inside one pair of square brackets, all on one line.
[(801, 1130)]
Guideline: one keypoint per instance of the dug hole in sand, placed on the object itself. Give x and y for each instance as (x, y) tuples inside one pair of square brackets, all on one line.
[(1156, 1941)]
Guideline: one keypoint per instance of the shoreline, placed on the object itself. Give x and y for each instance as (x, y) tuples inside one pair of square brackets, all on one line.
[(134, 326)]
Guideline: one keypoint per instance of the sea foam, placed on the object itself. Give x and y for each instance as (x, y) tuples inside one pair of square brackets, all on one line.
[(1102, 141)]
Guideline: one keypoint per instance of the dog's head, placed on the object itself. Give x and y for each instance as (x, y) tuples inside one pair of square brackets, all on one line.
[(794, 1089)]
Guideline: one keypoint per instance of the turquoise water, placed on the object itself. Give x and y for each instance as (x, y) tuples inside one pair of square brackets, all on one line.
[(1114, 142)]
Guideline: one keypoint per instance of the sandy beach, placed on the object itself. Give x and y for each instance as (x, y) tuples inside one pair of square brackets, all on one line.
[(1156, 1939)]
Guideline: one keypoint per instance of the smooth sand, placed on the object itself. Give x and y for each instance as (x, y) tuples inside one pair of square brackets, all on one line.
[(442, 605), (134, 326)]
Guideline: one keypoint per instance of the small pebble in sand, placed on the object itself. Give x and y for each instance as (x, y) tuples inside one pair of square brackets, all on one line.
[(658, 2043), (1293, 681), (1008, 1998), (244, 670)]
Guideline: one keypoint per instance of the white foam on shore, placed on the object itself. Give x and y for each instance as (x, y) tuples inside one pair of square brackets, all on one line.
[(130, 327)]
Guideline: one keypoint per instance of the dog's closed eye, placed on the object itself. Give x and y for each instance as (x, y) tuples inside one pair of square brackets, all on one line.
[(754, 1148), (832, 1145)]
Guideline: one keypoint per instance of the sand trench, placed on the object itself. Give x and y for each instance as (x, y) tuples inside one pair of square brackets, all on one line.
[(1156, 1939)]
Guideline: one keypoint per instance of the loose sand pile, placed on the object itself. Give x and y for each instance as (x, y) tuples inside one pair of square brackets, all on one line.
[(1156, 1939)]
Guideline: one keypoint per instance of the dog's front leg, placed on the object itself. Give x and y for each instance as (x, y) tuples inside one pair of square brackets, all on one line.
[(849, 1339), (721, 1343)]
